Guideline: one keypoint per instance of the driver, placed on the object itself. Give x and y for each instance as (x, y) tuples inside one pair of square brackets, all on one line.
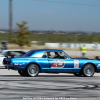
[(57, 55)]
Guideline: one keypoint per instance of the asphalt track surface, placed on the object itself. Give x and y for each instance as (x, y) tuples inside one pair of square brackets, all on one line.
[(48, 86)]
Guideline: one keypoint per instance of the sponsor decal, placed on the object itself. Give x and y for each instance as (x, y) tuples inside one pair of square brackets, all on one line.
[(16, 64), (58, 64), (76, 63), (19, 63), (98, 65)]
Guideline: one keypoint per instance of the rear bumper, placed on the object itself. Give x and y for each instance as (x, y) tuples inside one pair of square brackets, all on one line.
[(7, 66)]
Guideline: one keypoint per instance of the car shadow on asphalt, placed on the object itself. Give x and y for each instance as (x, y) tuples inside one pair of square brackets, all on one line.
[(55, 75), (10, 76), (45, 76), (38, 76), (65, 76)]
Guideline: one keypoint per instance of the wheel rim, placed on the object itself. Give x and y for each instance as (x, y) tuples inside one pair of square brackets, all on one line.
[(89, 70), (33, 70)]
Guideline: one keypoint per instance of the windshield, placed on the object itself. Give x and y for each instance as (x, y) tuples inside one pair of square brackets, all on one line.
[(67, 56)]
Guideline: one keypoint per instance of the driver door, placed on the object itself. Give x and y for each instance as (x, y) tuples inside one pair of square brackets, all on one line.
[(60, 64)]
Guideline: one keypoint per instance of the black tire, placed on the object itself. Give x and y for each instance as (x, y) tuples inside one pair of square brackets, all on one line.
[(78, 74), (88, 70), (32, 70), (5, 67), (22, 72)]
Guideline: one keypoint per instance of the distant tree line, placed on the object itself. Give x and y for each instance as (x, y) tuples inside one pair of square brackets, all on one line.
[(24, 36)]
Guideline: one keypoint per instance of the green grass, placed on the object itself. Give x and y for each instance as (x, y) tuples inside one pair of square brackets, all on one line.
[(64, 38), (57, 38), (4, 37)]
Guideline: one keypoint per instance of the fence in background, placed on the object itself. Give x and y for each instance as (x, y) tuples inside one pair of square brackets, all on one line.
[(73, 45)]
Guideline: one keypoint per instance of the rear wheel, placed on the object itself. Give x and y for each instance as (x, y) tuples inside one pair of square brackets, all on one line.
[(32, 70), (78, 74), (88, 70), (22, 72)]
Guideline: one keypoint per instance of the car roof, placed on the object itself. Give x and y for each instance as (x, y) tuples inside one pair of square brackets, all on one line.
[(46, 50)]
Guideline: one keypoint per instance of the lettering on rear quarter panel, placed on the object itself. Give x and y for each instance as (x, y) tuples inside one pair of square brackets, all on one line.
[(76, 63)]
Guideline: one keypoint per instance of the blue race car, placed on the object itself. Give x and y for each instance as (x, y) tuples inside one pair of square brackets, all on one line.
[(51, 61)]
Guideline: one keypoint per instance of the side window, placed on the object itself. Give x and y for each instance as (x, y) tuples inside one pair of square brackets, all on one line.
[(11, 53), (45, 55), (17, 53), (59, 55), (51, 54), (48, 55)]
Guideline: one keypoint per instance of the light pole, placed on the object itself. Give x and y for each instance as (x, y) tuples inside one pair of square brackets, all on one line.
[(10, 19)]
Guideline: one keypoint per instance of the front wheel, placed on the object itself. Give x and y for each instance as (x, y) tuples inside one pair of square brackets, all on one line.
[(88, 70), (33, 70)]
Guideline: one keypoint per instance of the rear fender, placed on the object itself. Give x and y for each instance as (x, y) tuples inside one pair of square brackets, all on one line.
[(33, 63)]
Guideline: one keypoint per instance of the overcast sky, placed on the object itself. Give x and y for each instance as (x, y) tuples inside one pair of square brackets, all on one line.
[(42, 15)]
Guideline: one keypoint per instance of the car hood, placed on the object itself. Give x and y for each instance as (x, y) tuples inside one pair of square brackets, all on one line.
[(1, 55)]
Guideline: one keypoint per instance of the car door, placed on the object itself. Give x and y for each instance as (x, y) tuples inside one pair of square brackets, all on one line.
[(44, 64), (61, 64)]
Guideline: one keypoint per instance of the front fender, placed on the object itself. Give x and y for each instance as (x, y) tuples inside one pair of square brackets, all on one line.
[(90, 63)]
